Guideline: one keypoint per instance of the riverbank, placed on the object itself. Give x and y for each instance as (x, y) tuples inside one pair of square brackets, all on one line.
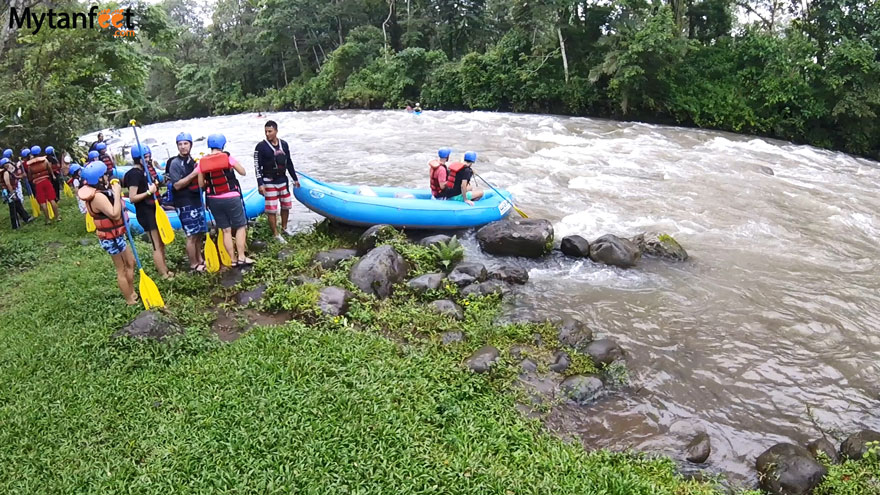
[(369, 403)]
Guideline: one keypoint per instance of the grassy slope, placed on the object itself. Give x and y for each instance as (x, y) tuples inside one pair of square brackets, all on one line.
[(325, 408)]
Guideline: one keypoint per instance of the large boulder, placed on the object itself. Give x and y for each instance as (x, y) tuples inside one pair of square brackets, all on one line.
[(151, 324), (604, 351), (509, 273), (467, 273), (529, 237), (483, 360), (613, 250), (426, 282), (378, 271), (823, 446), (699, 448), (434, 239), (787, 469), (656, 245), (574, 333), (581, 388), (575, 245), (448, 308), (856, 446), (370, 237), (330, 259), (334, 300)]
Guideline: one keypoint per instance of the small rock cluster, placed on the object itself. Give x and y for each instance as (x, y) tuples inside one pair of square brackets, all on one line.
[(612, 250)]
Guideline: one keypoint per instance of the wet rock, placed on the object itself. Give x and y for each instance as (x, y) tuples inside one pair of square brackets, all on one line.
[(151, 324), (823, 446), (529, 237), (509, 273), (332, 258), (613, 250), (582, 389), (467, 273), (575, 245), (448, 308), (656, 245), (787, 469), (302, 280), (484, 289), (371, 236), (574, 333), (334, 300), (434, 239), (483, 360), (257, 246), (520, 351), (250, 296), (604, 351), (540, 387), (561, 362), (230, 278), (449, 338), (424, 283), (766, 170), (699, 448), (285, 254), (378, 271), (856, 446), (528, 366)]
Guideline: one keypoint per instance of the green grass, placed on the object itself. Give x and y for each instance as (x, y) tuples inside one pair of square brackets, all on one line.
[(334, 406)]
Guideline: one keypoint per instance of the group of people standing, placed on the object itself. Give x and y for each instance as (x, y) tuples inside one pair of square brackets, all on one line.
[(38, 174)]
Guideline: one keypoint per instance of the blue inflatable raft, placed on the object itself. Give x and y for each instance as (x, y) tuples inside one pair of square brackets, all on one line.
[(119, 172), (254, 205), (400, 207)]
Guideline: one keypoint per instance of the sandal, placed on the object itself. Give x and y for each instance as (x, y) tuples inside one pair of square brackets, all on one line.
[(200, 268), (246, 261), (235, 264)]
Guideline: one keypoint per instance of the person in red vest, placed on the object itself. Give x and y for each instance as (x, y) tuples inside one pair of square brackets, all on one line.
[(438, 171), (41, 175)]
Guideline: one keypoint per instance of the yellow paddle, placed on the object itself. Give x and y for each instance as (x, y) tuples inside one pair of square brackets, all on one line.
[(212, 262), (224, 255), (510, 200), (35, 207), (166, 233), (68, 191), (149, 292), (90, 223)]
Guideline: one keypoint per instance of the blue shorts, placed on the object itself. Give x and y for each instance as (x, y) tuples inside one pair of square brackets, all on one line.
[(192, 218), (113, 246)]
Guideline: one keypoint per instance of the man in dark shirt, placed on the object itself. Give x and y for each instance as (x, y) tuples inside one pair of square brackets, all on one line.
[(100, 140), (183, 180), (272, 163), (463, 190)]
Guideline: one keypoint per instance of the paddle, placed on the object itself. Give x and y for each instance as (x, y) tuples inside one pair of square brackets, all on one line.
[(521, 213), (166, 233), (35, 207), (149, 292), (212, 262), (224, 255), (90, 223)]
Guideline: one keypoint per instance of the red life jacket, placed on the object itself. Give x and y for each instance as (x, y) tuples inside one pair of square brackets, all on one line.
[(106, 228), (453, 169), (434, 165), (107, 161), (219, 177), (13, 180), (39, 169), (152, 171)]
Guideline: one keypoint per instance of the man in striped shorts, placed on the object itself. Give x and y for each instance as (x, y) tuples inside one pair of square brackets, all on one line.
[(272, 163)]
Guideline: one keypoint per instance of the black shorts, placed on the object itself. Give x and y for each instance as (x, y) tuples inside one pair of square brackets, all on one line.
[(146, 215)]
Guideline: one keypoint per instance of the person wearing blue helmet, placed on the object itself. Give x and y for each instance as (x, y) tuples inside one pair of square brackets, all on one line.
[(56, 169), (11, 187), (93, 155), (182, 175), (105, 157), (41, 175), (437, 172), (76, 182), (272, 163), (7, 153), (141, 193), (459, 185)]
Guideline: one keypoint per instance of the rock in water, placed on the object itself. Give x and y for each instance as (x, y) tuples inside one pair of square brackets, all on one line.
[(613, 250), (150, 324), (604, 351), (823, 446), (424, 283), (529, 237), (448, 308), (434, 239), (484, 289), (787, 469), (330, 259), (334, 300), (509, 273), (467, 273), (656, 245), (574, 333), (371, 236), (856, 446), (575, 245), (582, 389), (378, 271), (699, 448), (561, 362), (483, 360)]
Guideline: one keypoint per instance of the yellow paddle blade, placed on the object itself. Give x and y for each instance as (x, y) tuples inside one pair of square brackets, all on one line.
[(90, 223), (224, 255), (35, 207), (68, 191), (521, 213), (165, 230), (149, 292), (51, 211), (211, 260)]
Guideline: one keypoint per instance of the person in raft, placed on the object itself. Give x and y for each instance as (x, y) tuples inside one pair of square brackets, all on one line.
[(140, 193), (272, 162), (103, 200), (183, 180), (223, 194), (9, 184), (437, 173), (41, 175), (459, 178)]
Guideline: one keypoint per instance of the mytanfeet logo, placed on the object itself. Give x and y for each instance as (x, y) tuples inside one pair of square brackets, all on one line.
[(118, 20)]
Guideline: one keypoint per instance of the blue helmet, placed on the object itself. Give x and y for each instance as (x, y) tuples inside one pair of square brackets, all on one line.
[(7, 153), (36, 150), (216, 141), (136, 151), (3, 161), (470, 156), (93, 155), (25, 152), (444, 152), (184, 136), (50, 150), (74, 169), (100, 146), (93, 172), (145, 150)]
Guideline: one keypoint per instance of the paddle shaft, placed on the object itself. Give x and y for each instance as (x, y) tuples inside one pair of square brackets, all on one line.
[(144, 163), (499, 193)]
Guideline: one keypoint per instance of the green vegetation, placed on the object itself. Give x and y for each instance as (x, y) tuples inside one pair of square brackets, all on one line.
[(802, 71)]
